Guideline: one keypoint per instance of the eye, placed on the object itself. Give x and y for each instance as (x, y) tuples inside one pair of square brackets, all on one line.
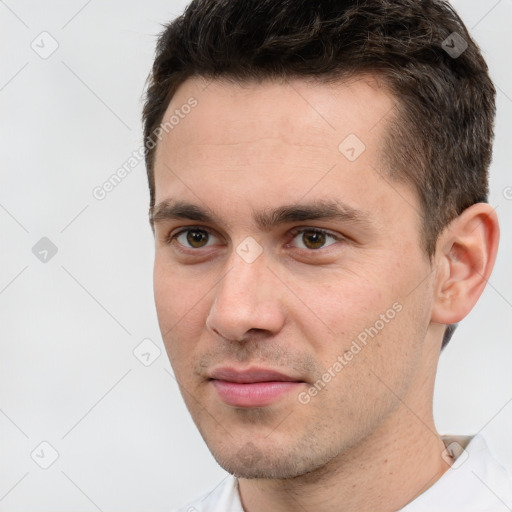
[(307, 238), (314, 239), (192, 238)]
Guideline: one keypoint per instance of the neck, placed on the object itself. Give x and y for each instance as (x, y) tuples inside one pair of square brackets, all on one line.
[(384, 471)]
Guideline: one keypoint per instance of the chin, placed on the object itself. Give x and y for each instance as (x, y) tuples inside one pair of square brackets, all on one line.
[(252, 462)]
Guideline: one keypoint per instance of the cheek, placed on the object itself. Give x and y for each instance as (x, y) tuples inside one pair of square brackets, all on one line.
[(180, 308), (365, 318), (174, 294), (346, 307), (164, 289)]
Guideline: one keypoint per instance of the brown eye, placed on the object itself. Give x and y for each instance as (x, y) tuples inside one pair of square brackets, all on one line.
[(197, 238), (314, 239), (193, 238)]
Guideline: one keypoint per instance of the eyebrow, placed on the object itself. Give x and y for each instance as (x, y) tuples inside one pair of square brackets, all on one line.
[(267, 219)]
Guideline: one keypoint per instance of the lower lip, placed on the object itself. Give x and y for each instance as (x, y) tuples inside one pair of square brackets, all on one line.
[(256, 394)]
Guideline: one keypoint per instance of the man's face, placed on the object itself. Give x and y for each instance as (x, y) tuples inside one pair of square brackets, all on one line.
[(253, 314)]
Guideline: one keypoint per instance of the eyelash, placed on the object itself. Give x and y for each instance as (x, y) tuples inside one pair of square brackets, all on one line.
[(294, 232)]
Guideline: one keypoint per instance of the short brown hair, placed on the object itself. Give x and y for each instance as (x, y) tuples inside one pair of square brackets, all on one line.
[(440, 138)]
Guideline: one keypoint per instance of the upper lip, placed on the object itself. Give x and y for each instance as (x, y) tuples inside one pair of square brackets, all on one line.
[(251, 375)]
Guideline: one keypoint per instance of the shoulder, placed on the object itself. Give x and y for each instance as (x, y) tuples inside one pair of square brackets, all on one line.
[(476, 482), (224, 497)]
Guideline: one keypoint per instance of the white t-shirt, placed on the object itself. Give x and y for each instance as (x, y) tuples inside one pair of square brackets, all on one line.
[(476, 482)]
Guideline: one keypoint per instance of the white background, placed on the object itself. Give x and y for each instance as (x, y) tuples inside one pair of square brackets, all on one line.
[(69, 326)]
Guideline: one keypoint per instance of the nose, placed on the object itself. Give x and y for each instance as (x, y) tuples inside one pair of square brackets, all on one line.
[(247, 299)]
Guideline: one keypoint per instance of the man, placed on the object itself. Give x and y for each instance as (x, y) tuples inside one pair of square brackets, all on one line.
[(318, 179)]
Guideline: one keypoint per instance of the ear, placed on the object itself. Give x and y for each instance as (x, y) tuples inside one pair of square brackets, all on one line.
[(465, 255)]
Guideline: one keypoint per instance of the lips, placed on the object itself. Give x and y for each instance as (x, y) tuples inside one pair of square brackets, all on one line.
[(251, 375), (255, 387)]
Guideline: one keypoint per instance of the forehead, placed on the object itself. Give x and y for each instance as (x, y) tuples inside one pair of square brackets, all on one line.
[(298, 112)]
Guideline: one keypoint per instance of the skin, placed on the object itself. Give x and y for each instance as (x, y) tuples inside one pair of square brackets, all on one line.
[(367, 440)]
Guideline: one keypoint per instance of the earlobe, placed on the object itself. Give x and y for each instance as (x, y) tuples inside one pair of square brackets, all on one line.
[(465, 255)]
